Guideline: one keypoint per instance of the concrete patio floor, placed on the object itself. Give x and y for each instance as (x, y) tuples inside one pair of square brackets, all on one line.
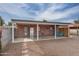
[(35, 38), (62, 47)]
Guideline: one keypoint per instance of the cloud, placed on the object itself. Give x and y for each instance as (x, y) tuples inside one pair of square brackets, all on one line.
[(14, 9), (22, 10), (52, 14), (37, 8), (49, 11)]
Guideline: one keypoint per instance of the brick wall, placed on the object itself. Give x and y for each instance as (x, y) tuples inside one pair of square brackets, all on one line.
[(20, 32), (44, 30)]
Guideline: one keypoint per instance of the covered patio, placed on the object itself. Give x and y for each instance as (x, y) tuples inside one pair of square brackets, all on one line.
[(38, 30), (74, 29)]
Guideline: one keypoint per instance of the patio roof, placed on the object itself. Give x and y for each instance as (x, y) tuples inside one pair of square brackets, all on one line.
[(37, 22), (74, 26)]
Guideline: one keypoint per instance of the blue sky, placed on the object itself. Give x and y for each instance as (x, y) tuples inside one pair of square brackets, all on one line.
[(57, 12)]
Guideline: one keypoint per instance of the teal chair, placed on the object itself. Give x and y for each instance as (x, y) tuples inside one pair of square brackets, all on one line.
[(59, 34)]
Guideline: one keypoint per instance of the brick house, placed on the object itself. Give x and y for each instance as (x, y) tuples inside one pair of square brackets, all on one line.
[(36, 29)]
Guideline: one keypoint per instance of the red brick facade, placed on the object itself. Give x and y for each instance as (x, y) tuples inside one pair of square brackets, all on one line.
[(44, 30)]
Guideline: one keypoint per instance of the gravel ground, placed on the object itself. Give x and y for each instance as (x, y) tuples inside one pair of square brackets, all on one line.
[(60, 47)]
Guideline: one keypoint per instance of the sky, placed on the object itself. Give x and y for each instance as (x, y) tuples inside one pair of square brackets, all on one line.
[(55, 12)]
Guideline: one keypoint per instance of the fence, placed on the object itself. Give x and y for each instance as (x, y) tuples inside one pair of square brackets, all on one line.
[(6, 36)]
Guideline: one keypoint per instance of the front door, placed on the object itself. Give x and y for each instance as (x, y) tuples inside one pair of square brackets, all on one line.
[(31, 32), (26, 31)]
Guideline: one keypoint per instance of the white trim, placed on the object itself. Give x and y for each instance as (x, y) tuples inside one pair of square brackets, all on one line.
[(12, 33), (37, 32), (55, 31)]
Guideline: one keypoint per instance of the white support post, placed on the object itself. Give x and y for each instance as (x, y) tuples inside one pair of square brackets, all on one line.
[(55, 32), (12, 33), (37, 32)]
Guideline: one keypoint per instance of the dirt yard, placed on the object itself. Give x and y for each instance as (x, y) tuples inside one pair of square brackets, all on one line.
[(61, 47)]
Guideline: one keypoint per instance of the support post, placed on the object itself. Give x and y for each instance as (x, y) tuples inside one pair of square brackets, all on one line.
[(37, 32), (77, 30), (12, 33), (55, 31), (68, 31)]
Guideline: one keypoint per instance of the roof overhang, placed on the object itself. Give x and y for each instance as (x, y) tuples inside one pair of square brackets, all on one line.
[(74, 25), (38, 22)]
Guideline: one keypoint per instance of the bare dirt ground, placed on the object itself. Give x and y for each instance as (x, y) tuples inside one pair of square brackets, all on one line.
[(60, 47)]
